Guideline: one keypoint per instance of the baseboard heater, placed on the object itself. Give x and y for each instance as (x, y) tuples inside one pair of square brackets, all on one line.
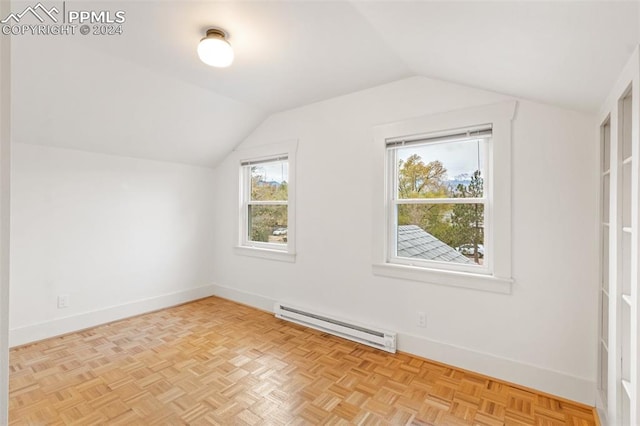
[(379, 339)]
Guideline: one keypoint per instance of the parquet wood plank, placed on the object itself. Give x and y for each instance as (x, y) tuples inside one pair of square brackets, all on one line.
[(215, 362)]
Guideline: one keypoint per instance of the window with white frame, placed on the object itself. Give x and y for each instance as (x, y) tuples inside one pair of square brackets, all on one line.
[(442, 198), (267, 201), (437, 200)]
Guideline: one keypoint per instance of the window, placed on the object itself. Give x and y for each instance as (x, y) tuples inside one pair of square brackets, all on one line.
[(442, 208), (266, 202), (437, 205)]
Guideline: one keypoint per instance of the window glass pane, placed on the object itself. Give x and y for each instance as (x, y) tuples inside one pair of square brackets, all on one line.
[(269, 181), (268, 224), (441, 170), (441, 232)]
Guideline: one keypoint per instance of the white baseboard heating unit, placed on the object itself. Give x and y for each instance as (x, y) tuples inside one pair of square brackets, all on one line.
[(379, 339)]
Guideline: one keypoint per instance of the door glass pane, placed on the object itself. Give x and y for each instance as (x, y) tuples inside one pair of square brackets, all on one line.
[(605, 198), (626, 409), (604, 371), (626, 263), (606, 147), (605, 258), (626, 341), (626, 195), (604, 309), (625, 116)]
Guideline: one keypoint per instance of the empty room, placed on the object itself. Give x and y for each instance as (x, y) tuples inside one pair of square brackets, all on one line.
[(319, 212)]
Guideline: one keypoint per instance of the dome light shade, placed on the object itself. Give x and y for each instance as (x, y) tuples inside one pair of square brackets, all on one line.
[(215, 50)]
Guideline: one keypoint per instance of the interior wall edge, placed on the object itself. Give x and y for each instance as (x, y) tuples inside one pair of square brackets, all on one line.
[(56, 327), (5, 201), (244, 297), (553, 382)]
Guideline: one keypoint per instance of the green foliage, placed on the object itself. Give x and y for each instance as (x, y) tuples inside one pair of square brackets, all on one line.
[(454, 224), (467, 220), (419, 180), (264, 220), (267, 191)]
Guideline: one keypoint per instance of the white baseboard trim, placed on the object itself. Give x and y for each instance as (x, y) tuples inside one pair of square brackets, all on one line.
[(531, 376), (246, 298), (58, 326), (527, 375)]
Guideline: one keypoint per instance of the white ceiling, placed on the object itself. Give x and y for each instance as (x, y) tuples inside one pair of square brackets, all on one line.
[(567, 53), (146, 94)]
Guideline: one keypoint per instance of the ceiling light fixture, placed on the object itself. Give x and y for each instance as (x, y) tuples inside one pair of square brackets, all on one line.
[(214, 49)]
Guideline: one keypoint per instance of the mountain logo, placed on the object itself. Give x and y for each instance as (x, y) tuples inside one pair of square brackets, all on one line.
[(39, 11)]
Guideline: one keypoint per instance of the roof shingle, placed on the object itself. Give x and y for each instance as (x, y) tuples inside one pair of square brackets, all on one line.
[(414, 242)]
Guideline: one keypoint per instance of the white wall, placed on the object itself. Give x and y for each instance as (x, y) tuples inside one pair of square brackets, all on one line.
[(543, 335), (119, 235)]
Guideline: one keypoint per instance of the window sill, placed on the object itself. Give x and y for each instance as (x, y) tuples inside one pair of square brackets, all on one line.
[(449, 278), (262, 253)]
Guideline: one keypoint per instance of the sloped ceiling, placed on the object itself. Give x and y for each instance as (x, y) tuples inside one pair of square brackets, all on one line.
[(145, 93), (567, 53)]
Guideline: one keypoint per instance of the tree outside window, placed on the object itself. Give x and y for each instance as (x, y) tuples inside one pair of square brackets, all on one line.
[(450, 209)]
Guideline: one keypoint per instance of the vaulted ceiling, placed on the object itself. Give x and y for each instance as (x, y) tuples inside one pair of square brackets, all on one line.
[(146, 94)]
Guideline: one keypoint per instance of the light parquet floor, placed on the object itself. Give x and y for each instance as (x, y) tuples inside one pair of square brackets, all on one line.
[(216, 362)]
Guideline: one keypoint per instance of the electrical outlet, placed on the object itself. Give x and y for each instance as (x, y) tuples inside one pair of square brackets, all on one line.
[(422, 319), (63, 301)]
